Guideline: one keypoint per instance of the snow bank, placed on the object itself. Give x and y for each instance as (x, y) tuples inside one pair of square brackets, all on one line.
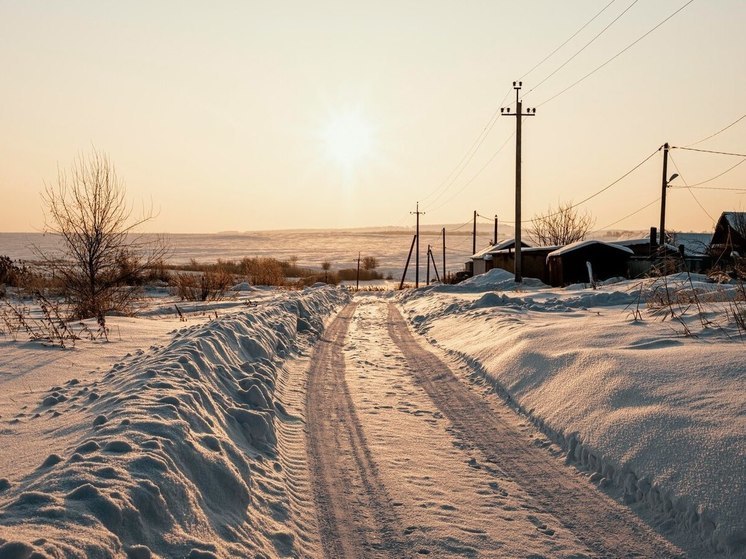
[(179, 456), (639, 404)]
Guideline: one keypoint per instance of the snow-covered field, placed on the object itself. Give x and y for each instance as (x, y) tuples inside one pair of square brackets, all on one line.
[(647, 402), (161, 442), (178, 439)]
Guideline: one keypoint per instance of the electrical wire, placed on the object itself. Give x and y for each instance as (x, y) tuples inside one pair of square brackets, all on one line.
[(711, 188), (586, 24), (471, 152), (689, 189), (460, 226), (618, 54), (710, 151), (729, 169), (607, 187), (473, 178), (566, 62), (645, 207), (718, 132), (465, 160)]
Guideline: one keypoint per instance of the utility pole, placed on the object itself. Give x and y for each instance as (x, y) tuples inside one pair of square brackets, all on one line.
[(664, 186), (417, 253), (427, 280), (444, 254), (435, 268), (495, 229), (518, 114), (474, 235), (406, 266)]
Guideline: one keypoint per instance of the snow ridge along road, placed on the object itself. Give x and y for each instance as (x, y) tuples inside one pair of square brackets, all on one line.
[(356, 518), (603, 525)]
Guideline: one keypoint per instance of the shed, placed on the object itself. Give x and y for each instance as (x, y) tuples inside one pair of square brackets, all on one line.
[(482, 261), (729, 236), (567, 265), (533, 261)]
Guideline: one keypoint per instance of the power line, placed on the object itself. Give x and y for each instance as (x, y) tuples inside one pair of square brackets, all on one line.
[(607, 187), (718, 132), (466, 159), (625, 49), (469, 154), (729, 169), (710, 151), (566, 62), (645, 207), (467, 183), (689, 189), (586, 24), (724, 188)]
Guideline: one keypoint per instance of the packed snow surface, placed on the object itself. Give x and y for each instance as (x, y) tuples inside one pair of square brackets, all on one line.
[(172, 452), (643, 383)]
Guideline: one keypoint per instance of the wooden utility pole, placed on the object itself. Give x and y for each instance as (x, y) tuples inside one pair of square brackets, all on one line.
[(664, 187), (406, 266), (427, 277), (417, 253), (495, 241), (435, 268), (444, 254), (474, 234), (518, 114), (357, 279)]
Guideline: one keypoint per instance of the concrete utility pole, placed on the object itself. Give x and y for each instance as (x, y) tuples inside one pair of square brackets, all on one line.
[(417, 253), (518, 114)]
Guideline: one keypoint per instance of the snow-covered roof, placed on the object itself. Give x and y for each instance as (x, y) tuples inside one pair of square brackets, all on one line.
[(502, 245), (582, 244), (695, 244), (633, 242), (736, 220)]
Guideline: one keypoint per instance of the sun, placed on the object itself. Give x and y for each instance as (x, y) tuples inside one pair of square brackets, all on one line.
[(348, 138)]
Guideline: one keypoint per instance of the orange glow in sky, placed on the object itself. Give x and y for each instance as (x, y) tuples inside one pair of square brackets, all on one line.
[(248, 116)]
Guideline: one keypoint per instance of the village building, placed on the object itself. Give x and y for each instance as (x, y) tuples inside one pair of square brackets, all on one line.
[(729, 239), (586, 262)]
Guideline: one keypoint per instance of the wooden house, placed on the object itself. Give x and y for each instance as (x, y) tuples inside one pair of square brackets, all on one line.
[(729, 238), (569, 264)]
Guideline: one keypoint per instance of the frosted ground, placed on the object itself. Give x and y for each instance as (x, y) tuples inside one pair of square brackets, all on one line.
[(184, 439), (651, 403)]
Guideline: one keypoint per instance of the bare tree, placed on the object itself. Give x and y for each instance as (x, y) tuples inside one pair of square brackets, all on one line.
[(101, 255), (561, 226), (370, 263)]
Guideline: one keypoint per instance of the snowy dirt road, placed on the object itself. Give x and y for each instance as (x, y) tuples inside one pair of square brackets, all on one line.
[(408, 459)]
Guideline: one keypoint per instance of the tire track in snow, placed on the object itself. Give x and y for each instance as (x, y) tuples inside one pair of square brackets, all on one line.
[(354, 510), (605, 526)]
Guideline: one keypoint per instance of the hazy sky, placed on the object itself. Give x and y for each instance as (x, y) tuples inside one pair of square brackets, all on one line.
[(269, 115)]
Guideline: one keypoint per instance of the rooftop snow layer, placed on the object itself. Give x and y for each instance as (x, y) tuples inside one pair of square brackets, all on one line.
[(581, 244)]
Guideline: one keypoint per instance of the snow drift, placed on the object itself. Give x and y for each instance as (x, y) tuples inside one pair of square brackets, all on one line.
[(179, 458), (652, 406)]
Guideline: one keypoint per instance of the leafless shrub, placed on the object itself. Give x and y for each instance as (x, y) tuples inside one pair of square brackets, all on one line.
[(102, 256), (370, 263), (47, 324), (263, 271), (206, 286), (560, 226)]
